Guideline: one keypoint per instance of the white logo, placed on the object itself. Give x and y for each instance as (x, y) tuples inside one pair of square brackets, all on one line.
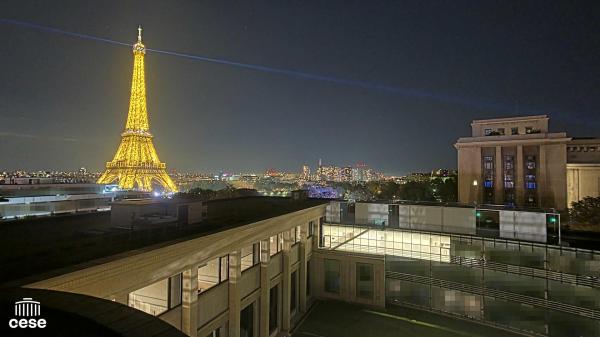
[(27, 308)]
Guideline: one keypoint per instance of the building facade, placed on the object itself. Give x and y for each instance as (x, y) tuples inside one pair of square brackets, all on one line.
[(518, 162), (259, 279)]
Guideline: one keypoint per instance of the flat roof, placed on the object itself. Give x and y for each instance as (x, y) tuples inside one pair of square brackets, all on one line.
[(154, 201), (36, 249), (509, 119)]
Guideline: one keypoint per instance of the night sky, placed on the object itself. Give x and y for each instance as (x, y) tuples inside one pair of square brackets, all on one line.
[(416, 74)]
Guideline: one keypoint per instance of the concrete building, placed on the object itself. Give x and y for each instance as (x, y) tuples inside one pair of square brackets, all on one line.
[(517, 161), (256, 265), (583, 168)]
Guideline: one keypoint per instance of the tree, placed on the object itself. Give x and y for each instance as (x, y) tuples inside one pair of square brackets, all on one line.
[(445, 190), (416, 191), (585, 211)]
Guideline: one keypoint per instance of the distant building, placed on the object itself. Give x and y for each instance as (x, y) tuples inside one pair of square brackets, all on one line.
[(305, 173), (518, 162)]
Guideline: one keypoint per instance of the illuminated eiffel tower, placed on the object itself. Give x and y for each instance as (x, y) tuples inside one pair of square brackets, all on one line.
[(136, 162)]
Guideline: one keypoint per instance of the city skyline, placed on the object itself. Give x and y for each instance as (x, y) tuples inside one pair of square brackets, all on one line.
[(211, 116)]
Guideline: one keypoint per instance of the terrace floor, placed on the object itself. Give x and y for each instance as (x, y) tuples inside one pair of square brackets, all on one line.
[(338, 319)]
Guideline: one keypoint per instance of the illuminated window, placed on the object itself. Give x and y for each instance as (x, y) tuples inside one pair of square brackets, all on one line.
[(249, 256), (214, 272)]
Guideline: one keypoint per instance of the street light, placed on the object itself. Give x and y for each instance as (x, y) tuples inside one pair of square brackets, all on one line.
[(476, 186)]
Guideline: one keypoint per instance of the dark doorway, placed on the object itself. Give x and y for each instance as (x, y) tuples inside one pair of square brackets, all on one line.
[(247, 321), (273, 309), (487, 223), (182, 214), (394, 216), (294, 292)]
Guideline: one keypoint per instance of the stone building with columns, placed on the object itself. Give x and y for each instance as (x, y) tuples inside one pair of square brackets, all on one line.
[(518, 162)]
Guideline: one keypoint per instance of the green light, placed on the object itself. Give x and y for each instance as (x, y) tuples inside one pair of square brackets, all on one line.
[(553, 219), (478, 214)]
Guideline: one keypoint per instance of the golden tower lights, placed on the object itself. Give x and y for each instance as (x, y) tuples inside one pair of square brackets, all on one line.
[(136, 162)]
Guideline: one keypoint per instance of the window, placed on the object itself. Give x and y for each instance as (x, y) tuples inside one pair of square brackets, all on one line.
[(215, 333), (247, 321), (530, 185), (275, 244), (213, 272), (488, 162), (501, 131), (175, 287), (487, 132), (273, 309), (488, 184), (364, 280), (528, 129), (311, 228), (298, 233), (294, 291), (157, 297), (332, 276), (248, 257), (514, 131)]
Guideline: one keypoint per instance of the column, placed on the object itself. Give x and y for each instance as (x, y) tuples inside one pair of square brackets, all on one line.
[(541, 178), (189, 301), (498, 177), (265, 287), (519, 177), (286, 282), (302, 252), (235, 275)]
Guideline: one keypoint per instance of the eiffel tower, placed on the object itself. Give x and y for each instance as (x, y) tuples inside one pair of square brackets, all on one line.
[(136, 162)]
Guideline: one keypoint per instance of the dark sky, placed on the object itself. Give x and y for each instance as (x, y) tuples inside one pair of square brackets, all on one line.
[(63, 100)]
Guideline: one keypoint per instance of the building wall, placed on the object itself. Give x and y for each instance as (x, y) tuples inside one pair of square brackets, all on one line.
[(469, 170), (583, 180), (550, 290), (554, 185), (218, 307), (371, 213), (348, 278)]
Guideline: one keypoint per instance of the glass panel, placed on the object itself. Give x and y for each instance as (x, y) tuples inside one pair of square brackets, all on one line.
[(293, 291), (208, 275), (151, 299), (175, 290), (364, 280), (247, 257), (273, 245), (273, 309)]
